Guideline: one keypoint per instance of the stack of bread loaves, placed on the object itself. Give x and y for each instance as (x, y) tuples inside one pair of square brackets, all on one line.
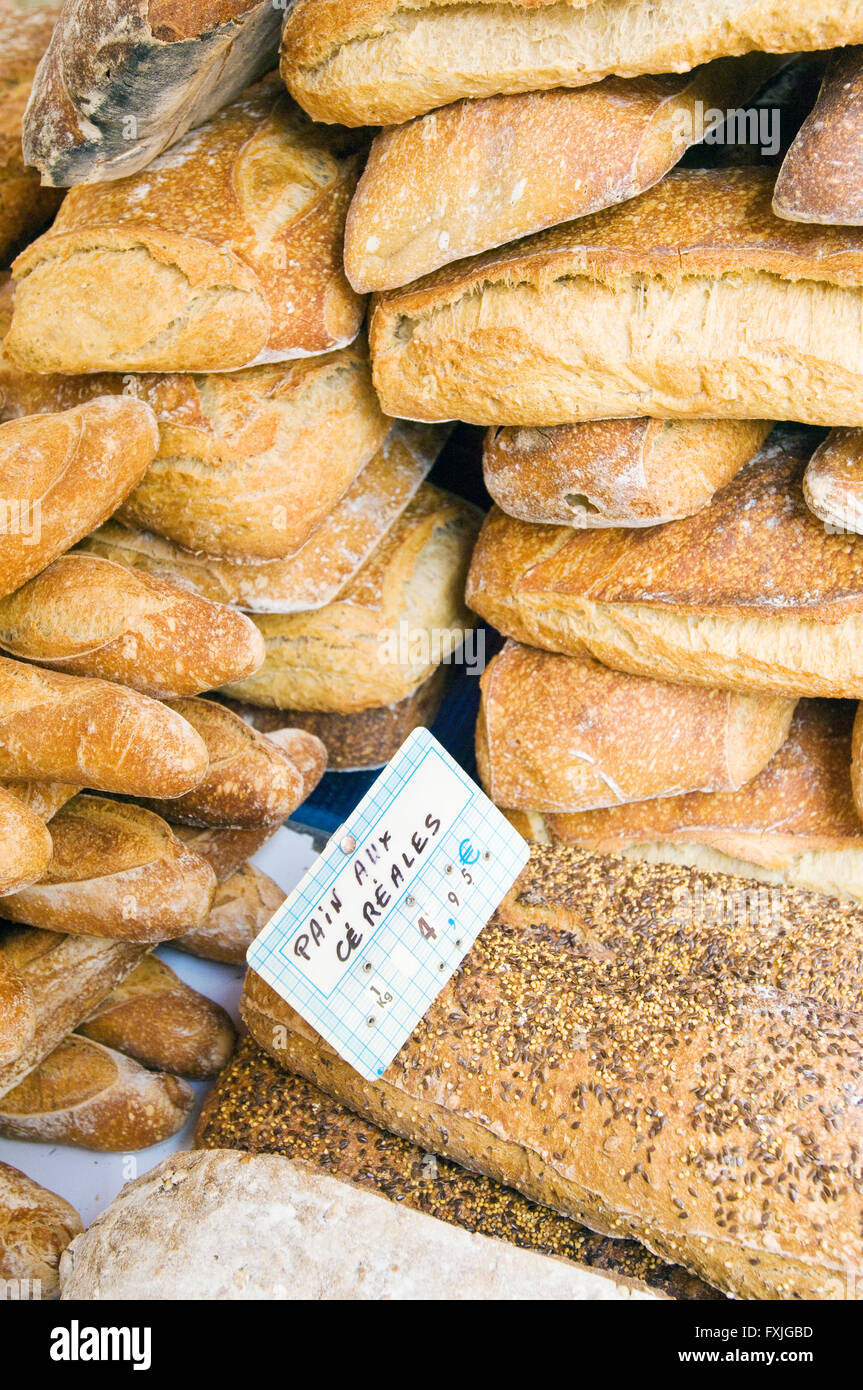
[(230, 474)]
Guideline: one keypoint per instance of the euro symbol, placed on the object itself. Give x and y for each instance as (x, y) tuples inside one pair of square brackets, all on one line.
[(467, 854)]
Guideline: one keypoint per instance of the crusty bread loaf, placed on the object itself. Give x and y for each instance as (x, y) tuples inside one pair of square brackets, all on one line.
[(229, 1226), (35, 1227), (91, 617), (17, 1013), (44, 799), (750, 594), (616, 472), (225, 252), (156, 1019), (317, 573), (61, 475), (821, 179), (795, 823), (691, 301), (169, 65), (563, 734), (93, 733), (358, 742), (833, 482), (242, 907), (258, 1107), (401, 616), (857, 761), (119, 871), (25, 206), (65, 976), (226, 851), (478, 174), (25, 845), (251, 781), (615, 1055), (386, 61), (88, 1096)]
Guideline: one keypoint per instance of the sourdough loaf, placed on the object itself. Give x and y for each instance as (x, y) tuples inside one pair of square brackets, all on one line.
[(35, 1227), (691, 301)]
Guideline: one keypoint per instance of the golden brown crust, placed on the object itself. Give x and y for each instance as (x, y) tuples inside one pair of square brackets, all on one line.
[(820, 179), (561, 734), (88, 1096), (671, 1073), (833, 483), (44, 799), (93, 733), (242, 907), (90, 617), (157, 1020), (35, 1227), (117, 870), (25, 206), (224, 252), (225, 851), (17, 1013), (616, 472), (61, 475), (251, 782), (25, 845)]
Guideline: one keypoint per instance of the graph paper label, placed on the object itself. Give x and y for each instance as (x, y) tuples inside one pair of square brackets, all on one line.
[(384, 918)]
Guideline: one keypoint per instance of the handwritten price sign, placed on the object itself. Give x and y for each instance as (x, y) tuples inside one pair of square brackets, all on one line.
[(382, 921)]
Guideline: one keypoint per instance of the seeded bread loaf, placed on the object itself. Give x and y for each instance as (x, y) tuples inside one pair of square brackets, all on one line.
[(610, 1053)]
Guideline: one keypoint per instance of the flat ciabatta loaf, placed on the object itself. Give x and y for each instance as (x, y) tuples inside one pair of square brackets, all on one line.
[(609, 1051), (63, 474), (691, 301), (821, 179), (227, 251), (795, 823), (564, 734), (315, 574), (386, 61), (124, 79), (616, 472), (117, 870), (401, 616), (25, 206), (753, 593), (481, 173), (833, 483), (91, 617)]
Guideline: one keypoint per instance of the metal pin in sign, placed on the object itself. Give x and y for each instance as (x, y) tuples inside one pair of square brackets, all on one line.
[(348, 844)]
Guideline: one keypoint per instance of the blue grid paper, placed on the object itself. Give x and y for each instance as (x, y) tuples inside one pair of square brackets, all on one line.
[(397, 973)]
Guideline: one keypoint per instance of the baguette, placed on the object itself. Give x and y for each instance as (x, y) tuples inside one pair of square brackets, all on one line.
[(35, 1227), (242, 907), (172, 65), (226, 851), (691, 301), (251, 781), (157, 1020), (117, 870), (91, 617), (820, 179), (795, 823), (857, 761), (616, 472), (257, 1107), (833, 482), (61, 475), (17, 1013), (25, 845), (90, 1097), (93, 733), (44, 799), (357, 742), (611, 1054), (66, 977), (562, 734), (224, 253), (478, 174), (401, 616), (387, 61), (25, 206), (751, 594)]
